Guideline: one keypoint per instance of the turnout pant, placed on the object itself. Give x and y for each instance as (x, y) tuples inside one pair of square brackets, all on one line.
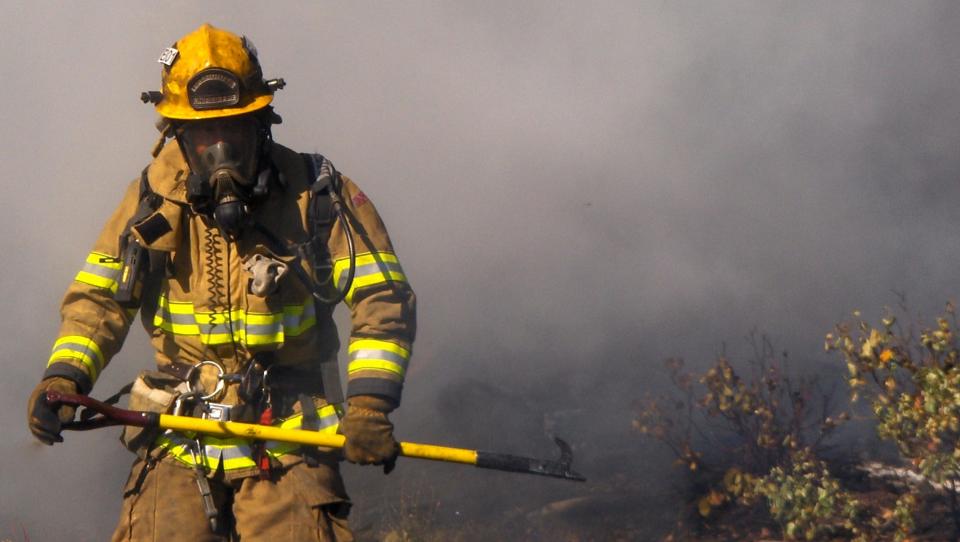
[(300, 503)]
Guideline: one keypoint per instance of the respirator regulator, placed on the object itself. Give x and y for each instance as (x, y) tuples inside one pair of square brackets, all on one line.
[(227, 173)]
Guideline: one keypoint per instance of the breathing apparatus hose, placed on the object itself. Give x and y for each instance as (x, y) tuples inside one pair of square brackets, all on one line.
[(337, 207)]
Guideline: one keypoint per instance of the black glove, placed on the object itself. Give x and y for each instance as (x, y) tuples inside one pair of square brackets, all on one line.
[(369, 432), (45, 420)]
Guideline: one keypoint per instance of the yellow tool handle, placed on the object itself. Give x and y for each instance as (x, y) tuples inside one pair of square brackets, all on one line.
[(110, 415), (311, 438), (438, 453)]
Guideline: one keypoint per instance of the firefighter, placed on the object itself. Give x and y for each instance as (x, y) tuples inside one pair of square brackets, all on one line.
[(234, 249)]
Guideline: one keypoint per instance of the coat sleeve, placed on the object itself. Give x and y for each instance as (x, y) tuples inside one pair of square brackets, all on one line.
[(93, 326), (382, 304)]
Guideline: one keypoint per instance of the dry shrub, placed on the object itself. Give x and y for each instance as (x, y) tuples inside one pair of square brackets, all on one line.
[(765, 428), (910, 375)]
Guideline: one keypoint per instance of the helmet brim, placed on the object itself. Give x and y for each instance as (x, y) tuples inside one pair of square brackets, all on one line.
[(185, 112)]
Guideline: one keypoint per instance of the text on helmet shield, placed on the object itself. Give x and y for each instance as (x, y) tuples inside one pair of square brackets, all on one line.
[(213, 88)]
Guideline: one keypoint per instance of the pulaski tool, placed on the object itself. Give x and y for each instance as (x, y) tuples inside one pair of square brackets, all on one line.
[(109, 415)]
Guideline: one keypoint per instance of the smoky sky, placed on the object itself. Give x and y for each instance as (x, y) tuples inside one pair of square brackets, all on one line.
[(575, 191)]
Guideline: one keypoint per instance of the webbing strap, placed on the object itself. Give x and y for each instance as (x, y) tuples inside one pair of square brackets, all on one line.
[(319, 217), (309, 422), (320, 223), (150, 228)]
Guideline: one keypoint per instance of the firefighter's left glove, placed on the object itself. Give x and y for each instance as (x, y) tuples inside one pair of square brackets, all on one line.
[(369, 433), (46, 420)]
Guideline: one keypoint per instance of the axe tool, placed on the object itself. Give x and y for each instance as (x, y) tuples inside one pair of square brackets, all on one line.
[(108, 415)]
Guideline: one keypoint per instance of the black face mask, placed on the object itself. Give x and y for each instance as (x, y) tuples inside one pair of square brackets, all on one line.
[(223, 156)]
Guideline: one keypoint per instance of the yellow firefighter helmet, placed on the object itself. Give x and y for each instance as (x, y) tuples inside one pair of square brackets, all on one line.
[(211, 73)]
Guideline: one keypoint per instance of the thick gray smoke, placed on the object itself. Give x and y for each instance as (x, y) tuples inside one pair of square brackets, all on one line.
[(576, 193)]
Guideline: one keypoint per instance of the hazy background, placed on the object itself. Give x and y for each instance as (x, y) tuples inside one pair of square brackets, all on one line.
[(576, 193)]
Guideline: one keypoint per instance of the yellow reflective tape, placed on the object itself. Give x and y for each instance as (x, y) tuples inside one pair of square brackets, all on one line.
[(219, 338), (235, 463), (80, 348), (296, 419), (370, 280), (343, 264), (374, 344), (97, 281), (386, 265), (282, 449), (178, 450), (255, 318), (375, 364), (175, 307), (304, 325), (253, 328), (260, 340), (226, 448), (223, 443), (296, 310), (100, 271), (298, 318), (86, 342), (74, 354), (218, 318), (278, 449), (176, 329)]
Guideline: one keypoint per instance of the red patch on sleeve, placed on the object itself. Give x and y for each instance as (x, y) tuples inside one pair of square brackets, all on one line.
[(359, 199)]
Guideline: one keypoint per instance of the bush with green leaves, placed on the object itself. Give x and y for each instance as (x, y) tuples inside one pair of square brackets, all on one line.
[(910, 373), (802, 497), (758, 427)]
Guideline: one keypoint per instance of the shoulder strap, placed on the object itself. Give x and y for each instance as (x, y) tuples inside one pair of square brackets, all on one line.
[(130, 294), (149, 202), (319, 215), (323, 179)]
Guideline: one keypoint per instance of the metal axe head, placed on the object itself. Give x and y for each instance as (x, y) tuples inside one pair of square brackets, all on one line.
[(564, 467), (530, 465)]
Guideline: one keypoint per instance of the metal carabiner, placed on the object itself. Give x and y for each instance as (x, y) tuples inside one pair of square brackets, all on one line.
[(194, 383), (178, 404)]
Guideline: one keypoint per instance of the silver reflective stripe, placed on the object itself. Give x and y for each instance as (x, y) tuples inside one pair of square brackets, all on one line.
[(101, 271), (81, 348), (376, 268), (234, 451), (211, 455), (264, 329), (296, 320), (329, 421), (369, 353), (217, 329), (179, 319), (215, 455), (259, 327), (176, 438), (326, 422)]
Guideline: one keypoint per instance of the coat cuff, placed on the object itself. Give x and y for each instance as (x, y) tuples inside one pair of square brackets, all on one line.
[(72, 373), (390, 389)]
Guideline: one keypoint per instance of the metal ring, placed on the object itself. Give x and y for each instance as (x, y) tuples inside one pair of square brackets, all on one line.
[(196, 369)]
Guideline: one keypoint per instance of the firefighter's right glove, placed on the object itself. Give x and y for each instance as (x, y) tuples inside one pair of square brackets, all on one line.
[(46, 420), (369, 433)]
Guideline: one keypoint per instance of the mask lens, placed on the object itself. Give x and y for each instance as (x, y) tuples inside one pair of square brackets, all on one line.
[(239, 136)]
